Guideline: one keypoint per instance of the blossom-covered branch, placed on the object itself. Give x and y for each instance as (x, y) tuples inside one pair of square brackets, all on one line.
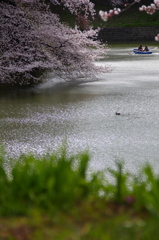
[(151, 9), (77, 6), (115, 11)]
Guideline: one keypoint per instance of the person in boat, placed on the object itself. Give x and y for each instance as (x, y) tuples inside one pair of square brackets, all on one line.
[(140, 48), (146, 49)]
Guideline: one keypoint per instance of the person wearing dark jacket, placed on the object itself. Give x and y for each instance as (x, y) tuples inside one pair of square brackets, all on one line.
[(146, 49)]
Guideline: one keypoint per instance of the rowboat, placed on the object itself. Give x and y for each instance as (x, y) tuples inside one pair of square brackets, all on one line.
[(141, 52)]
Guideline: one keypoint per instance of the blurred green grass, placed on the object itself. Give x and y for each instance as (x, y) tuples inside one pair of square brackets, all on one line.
[(57, 197)]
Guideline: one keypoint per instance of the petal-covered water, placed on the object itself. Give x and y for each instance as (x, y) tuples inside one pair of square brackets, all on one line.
[(39, 120)]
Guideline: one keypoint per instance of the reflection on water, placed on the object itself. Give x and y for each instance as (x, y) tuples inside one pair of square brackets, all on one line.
[(39, 119)]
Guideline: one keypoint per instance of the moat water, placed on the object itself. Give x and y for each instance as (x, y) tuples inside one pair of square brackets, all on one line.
[(38, 120)]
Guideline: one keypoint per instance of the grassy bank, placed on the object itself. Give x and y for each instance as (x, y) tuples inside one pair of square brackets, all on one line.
[(55, 197)]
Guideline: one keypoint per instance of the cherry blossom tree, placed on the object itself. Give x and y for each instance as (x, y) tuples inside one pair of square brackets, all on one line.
[(34, 41)]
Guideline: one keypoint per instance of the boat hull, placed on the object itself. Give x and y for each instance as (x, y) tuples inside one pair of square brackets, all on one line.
[(141, 52)]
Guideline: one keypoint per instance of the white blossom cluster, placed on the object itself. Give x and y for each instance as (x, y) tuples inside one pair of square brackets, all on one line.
[(115, 11), (106, 15), (151, 9), (33, 41), (77, 6)]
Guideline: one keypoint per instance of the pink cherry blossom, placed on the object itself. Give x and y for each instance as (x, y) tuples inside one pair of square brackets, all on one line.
[(106, 15)]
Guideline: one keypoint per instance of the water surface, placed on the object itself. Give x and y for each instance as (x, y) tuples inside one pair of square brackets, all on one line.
[(38, 120)]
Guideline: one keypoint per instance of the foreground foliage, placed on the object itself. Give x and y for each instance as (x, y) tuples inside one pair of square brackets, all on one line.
[(55, 197)]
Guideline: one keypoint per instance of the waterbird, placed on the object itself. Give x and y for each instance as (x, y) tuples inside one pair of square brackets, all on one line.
[(117, 113)]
